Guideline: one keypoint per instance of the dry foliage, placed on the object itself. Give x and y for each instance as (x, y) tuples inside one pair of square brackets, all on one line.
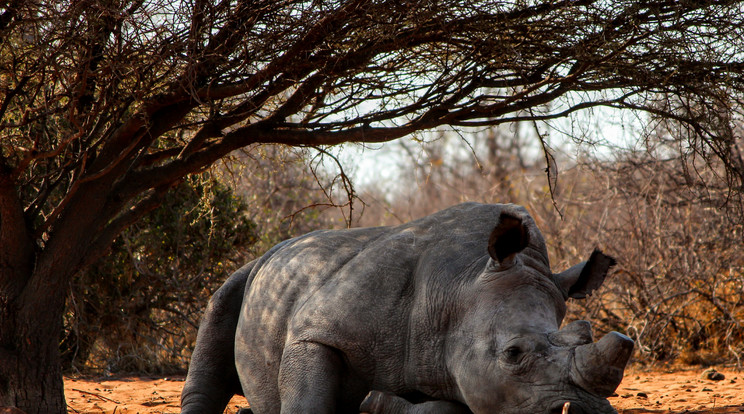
[(679, 289)]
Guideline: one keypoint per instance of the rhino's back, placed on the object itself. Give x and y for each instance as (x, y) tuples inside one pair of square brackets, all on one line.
[(370, 264), (352, 289)]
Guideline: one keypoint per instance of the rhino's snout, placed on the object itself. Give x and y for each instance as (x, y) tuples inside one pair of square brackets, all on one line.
[(598, 367)]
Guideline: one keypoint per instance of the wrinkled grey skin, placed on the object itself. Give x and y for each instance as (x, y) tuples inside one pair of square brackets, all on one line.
[(457, 312)]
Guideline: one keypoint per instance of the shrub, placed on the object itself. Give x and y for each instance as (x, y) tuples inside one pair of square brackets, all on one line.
[(138, 308)]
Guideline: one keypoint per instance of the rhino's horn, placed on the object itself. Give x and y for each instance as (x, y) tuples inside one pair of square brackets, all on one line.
[(598, 367)]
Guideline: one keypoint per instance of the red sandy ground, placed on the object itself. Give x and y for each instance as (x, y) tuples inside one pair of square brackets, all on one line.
[(676, 391)]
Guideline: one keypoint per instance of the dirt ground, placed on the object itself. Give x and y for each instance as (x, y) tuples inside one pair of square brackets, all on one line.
[(682, 390)]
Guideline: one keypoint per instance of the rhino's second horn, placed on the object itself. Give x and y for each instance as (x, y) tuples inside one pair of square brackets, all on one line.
[(598, 367)]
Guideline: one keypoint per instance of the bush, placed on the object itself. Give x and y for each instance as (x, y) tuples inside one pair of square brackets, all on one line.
[(679, 287), (138, 308)]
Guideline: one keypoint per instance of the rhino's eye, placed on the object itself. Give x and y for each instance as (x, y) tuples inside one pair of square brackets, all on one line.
[(513, 354)]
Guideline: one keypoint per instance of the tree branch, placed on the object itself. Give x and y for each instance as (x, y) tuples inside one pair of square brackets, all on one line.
[(103, 240)]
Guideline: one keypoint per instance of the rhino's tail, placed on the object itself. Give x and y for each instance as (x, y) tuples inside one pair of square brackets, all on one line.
[(212, 379)]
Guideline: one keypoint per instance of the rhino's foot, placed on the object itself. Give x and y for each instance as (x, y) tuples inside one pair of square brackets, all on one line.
[(383, 402)]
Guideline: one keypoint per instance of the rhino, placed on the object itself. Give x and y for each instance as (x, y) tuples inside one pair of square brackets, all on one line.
[(456, 312)]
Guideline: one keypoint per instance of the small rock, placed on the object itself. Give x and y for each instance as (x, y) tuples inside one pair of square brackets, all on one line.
[(642, 395), (713, 375), (707, 389)]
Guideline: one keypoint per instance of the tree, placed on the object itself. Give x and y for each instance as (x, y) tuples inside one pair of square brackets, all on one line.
[(107, 104)]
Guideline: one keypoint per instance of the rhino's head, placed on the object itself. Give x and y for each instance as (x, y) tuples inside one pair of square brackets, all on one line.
[(506, 353)]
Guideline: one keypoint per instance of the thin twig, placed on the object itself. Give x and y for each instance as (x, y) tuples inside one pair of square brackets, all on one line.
[(96, 395)]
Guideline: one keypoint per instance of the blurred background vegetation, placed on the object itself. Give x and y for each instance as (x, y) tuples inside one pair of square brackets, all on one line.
[(662, 210)]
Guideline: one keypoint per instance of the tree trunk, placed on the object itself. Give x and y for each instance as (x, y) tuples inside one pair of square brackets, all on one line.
[(30, 366)]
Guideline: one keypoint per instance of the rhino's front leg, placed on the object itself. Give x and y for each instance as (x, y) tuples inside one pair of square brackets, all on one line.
[(378, 402), (309, 378)]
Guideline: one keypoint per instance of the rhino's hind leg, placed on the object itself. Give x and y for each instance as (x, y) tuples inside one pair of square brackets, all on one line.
[(378, 402), (212, 379), (309, 378)]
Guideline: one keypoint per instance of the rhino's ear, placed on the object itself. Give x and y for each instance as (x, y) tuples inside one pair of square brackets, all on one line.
[(508, 238), (581, 280)]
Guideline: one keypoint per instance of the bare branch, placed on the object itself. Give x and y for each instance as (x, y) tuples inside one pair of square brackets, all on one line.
[(106, 236)]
